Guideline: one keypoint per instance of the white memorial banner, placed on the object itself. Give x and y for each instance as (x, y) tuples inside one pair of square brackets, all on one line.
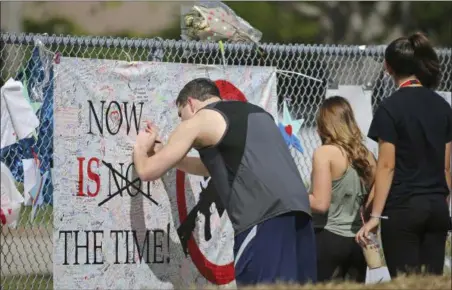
[(112, 231)]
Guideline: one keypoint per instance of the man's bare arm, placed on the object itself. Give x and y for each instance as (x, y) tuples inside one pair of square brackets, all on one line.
[(150, 168), (193, 165)]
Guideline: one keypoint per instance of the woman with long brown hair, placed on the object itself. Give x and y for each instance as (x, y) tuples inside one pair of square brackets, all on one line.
[(342, 177)]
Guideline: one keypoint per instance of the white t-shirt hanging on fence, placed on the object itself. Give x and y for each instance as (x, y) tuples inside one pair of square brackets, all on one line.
[(18, 120)]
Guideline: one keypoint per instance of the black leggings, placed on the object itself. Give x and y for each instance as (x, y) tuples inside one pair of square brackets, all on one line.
[(339, 258), (415, 235)]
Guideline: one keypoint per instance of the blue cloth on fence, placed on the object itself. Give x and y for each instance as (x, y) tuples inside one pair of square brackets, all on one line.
[(39, 76)]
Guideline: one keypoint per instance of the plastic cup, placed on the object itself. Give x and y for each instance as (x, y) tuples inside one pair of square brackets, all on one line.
[(371, 252)]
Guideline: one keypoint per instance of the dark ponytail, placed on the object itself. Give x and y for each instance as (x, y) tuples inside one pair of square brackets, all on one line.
[(428, 66), (414, 55)]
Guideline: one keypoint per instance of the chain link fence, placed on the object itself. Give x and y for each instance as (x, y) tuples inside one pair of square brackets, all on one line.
[(26, 252)]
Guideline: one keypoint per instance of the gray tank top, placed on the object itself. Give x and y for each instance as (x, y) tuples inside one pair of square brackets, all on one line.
[(251, 167), (347, 196)]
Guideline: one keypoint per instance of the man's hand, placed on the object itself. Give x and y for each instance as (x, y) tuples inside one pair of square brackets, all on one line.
[(158, 145), (146, 138), (152, 129), (150, 167)]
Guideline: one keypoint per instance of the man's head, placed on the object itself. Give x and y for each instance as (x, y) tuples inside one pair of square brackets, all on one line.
[(194, 95)]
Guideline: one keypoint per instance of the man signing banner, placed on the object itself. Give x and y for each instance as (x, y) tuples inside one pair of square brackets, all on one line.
[(251, 167)]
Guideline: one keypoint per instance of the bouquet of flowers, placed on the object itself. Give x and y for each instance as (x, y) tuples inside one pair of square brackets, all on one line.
[(215, 21)]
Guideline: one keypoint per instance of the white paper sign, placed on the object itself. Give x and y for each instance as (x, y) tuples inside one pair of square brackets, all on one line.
[(30, 168), (129, 227), (446, 95), (361, 102)]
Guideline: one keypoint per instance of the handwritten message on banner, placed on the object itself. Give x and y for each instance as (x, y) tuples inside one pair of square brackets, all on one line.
[(113, 231)]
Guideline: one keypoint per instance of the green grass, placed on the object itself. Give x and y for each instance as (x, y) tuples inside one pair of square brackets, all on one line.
[(44, 282), (44, 214), (40, 282), (417, 282), (43, 217)]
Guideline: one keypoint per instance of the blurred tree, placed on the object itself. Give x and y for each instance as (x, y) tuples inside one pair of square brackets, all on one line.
[(11, 21), (434, 18), (367, 22), (54, 25), (279, 22)]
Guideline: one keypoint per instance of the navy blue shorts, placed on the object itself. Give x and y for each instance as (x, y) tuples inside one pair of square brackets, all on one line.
[(280, 249)]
